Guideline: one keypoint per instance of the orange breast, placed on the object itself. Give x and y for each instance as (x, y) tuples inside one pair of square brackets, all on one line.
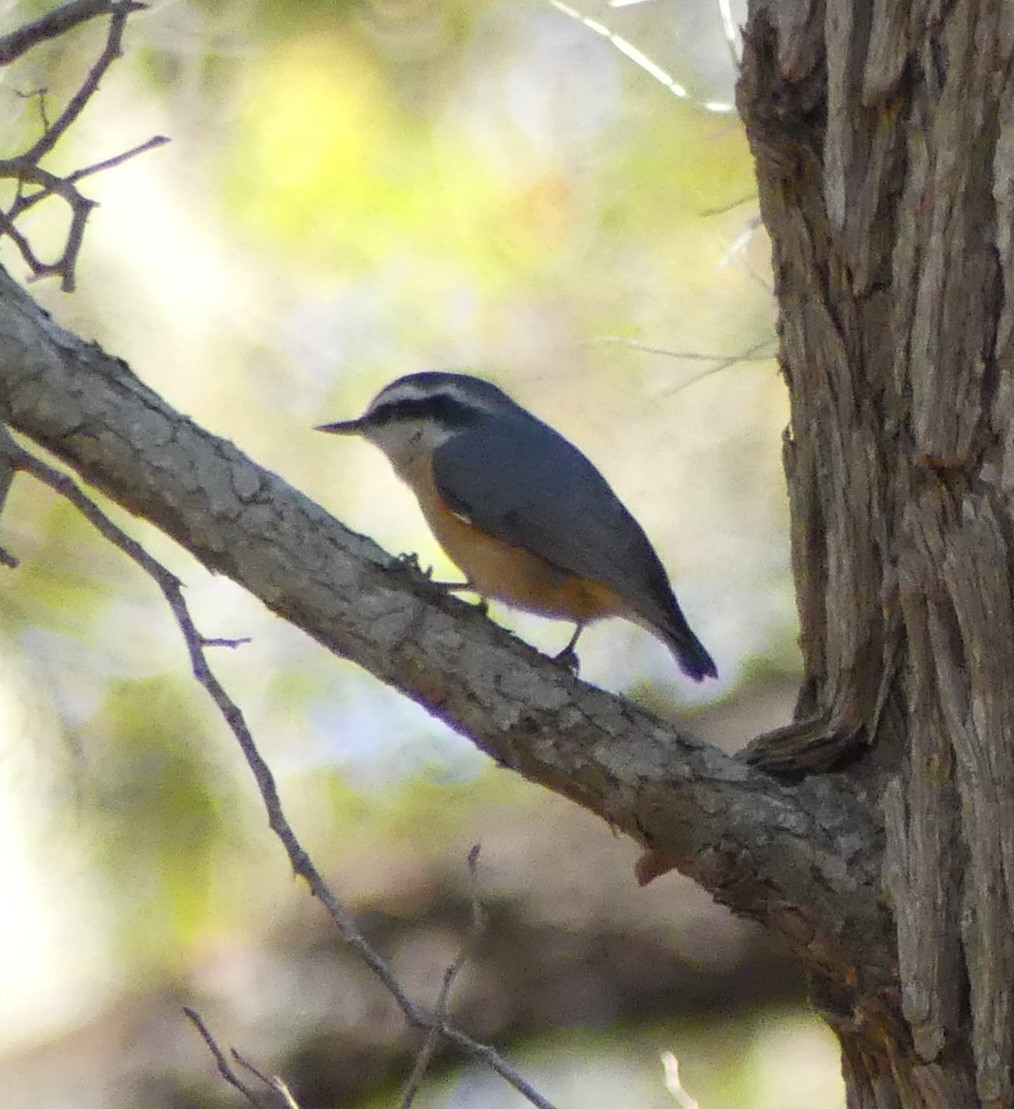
[(507, 572)]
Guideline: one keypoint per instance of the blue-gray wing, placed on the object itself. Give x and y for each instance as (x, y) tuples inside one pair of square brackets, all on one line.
[(522, 482), (519, 480)]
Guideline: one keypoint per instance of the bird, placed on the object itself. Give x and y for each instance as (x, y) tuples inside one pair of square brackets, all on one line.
[(525, 516)]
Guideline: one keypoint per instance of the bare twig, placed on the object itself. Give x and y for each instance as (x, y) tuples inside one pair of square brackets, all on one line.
[(300, 861), (25, 171), (50, 26), (118, 12), (230, 1076), (80, 207), (272, 1081), (719, 362), (440, 1012), (25, 167), (741, 242), (749, 355), (721, 209), (119, 159), (731, 37), (39, 96), (66, 265), (670, 1064), (7, 228), (639, 58), (6, 477)]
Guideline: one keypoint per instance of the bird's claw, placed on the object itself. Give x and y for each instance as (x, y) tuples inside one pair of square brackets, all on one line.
[(465, 587), (410, 561)]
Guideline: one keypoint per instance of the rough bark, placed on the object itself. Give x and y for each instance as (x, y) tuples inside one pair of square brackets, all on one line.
[(884, 142)]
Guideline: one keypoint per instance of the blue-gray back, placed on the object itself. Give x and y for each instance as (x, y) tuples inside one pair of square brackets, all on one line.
[(518, 479)]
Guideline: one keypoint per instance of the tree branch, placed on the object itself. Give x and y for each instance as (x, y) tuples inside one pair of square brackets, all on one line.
[(51, 25), (25, 168), (432, 1041), (279, 1098), (803, 860), (118, 14)]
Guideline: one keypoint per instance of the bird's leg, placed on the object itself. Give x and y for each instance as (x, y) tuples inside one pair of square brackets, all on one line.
[(457, 586), (568, 656), (411, 562), (467, 586)]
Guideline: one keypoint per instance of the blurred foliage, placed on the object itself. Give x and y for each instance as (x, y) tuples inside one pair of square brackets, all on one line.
[(159, 817), (64, 576)]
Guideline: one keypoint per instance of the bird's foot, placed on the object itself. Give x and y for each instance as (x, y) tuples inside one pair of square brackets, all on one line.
[(410, 561), (456, 586), (465, 587), (568, 659)]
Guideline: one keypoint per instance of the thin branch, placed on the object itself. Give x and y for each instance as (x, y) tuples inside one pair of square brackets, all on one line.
[(670, 1064), (225, 1069), (240, 641), (639, 58), (36, 265), (7, 472), (729, 32), (50, 26), (39, 96), (719, 362), (440, 1012), (749, 355), (300, 861), (119, 13), (66, 265), (272, 1081), (24, 170), (25, 167), (741, 242), (722, 209), (119, 159)]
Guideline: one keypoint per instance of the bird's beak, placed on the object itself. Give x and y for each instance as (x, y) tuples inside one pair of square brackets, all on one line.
[(344, 427)]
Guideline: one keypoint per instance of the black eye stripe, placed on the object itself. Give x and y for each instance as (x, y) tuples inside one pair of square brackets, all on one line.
[(443, 408)]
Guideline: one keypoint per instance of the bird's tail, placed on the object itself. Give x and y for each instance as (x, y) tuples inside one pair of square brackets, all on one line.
[(688, 650)]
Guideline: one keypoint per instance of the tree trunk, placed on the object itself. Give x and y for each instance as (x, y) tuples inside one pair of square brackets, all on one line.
[(884, 140)]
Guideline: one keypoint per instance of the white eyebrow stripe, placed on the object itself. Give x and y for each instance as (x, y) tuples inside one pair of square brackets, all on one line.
[(414, 391)]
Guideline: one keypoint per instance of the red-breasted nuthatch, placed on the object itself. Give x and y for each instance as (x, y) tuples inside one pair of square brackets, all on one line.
[(521, 511)]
